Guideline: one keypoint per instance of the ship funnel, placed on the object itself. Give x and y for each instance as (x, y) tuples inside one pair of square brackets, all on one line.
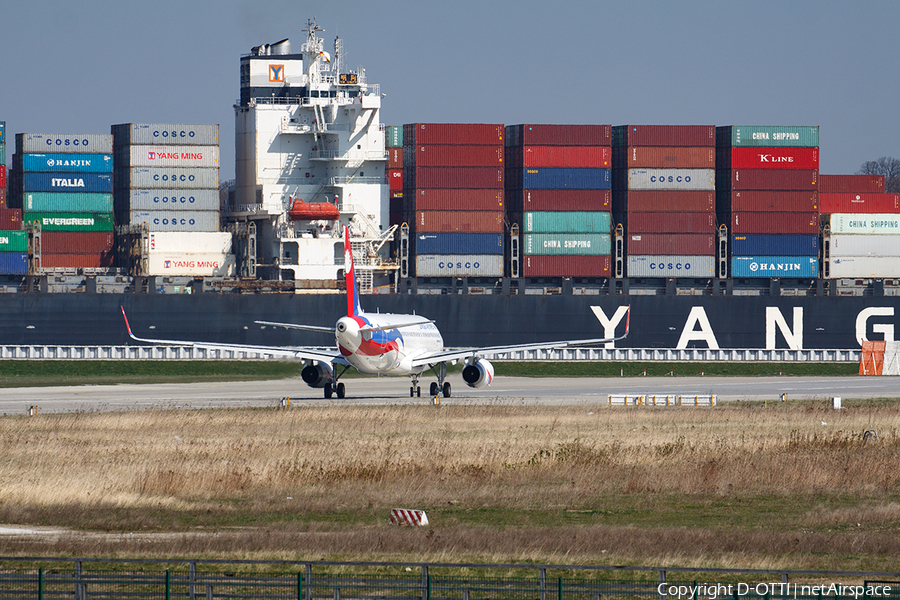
[(281, 47)]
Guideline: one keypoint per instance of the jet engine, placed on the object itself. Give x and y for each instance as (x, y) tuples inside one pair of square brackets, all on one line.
[(317, 375), (478, 374)]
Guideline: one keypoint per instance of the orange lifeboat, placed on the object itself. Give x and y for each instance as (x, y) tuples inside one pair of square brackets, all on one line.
[(313, 211)]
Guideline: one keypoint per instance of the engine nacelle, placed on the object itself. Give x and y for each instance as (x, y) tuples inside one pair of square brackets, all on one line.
[(478, 374), (317, 375)]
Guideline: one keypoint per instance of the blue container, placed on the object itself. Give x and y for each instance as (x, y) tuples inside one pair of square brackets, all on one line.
[(68, 202), (563, 179), (67, 163), (2, 132), (774, 266), (67, 182), (14, 263), (775, 245), (459, 243)]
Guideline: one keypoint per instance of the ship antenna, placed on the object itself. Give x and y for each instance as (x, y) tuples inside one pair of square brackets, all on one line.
[(338, 55)]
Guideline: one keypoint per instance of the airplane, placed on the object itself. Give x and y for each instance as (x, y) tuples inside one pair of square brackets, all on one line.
[(383, 344)]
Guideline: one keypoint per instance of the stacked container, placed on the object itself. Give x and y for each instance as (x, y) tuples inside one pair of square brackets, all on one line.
[(664, 184), (64, 183), (768, 193), (394, 172), (13, 239), (3, 181), (453, 198), (558, 183)]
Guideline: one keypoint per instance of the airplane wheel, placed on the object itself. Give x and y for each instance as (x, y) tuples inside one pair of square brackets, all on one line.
[(446, 389), (433, 389), (341, 390), (412, 391), (418, 391), (327, 391)]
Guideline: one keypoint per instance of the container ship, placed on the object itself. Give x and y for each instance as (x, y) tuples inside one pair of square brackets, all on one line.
[(716, 236)]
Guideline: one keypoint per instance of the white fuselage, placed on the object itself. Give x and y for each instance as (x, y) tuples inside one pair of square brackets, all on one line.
[(386, 351)]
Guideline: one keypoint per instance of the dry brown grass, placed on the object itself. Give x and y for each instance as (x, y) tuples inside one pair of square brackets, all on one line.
[(731, 486)]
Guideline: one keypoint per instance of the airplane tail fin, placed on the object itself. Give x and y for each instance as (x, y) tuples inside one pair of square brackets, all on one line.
[(353, 309)]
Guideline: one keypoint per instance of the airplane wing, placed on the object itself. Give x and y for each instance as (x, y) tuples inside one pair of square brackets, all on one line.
[(332, 356), (493, 351)]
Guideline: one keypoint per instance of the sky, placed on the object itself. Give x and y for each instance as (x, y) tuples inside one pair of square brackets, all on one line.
[(80, 67)]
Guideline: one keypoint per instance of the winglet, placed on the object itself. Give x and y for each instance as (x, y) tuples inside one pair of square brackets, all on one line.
[(353, 309), (627, 320), (127, 326)]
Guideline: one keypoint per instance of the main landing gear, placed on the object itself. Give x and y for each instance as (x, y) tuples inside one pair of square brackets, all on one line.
[(335, 387)]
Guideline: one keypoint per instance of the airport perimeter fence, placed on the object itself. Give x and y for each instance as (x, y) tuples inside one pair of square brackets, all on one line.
[(83, 579)]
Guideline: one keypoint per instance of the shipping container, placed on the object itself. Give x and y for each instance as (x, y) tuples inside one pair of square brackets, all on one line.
[(856, 184), (639, 265), (767, 158), (456, 265), (77, 242), (3, 197), (76, 261), (194, 241), (768, 179), (3, 132), (176, 220), (565, 266), (850, 244), (457, 199), (65, 221), (525, 200), (560, 179), (774, 244), (197, 264), (567, 244), (453, 155), (675, 222), (395, 158), (878, 267), (68, 202), (881, 224), (767, 136), (14, 263), (67, 182), (168, 177), (393, 136), (3, 176), (668, 179), (394, 179), (13, 241), (459, 243), (66, 163), (675, 157), (415, 134), (3, 154), (156, 134), (568, 221), (173, 199), (804, 267), (167, 156), (459, 221), (836, 202), (10, 219), (781, 222), (664, 201), (558, 135), (88, 143), (657, 244), (577, 157), (664, 135), (453, 177), (772, 201)]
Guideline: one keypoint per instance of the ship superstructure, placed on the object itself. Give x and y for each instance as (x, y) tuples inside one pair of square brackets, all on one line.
[(310, 155)]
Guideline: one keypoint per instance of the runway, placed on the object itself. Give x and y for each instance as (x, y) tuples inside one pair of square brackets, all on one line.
[(395, 390)]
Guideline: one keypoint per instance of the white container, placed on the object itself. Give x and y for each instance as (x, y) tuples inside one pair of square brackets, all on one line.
[(864, 245), (881, 224), (672, 179), (671, 266), (203, 264), (166, 133), (171, 220), (864, 266), (202, 242), (459, 265), (171, 177), (179, 200), (67, 143), (173, 156)]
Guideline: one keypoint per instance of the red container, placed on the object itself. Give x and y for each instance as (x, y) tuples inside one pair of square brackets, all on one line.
[(415, 134), (444, 155), (857, 184), (670, 222), (578, 157), (768, 158), (76, 261), (2, 197), (664, 135), (562, 200), (660, 244), (558, 135), (395, 180), (76, 242), (10, 219), (774, 201), (459, 221), (833, 202), (664, 201), (769, 179), (395, 158), (455, 177), (662, 157), (2, 176), (565, 266), (455, 199), (765, 222)]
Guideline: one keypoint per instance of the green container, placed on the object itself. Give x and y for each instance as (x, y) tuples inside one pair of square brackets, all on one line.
[(82, 202), (67, 221), (394, 138), (567, 244), (13, 241), (767, 136), (2, 154), (569, 222)]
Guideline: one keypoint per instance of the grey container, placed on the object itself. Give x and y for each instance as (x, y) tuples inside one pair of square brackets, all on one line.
[(864, 266), (173, 155), (672, 179), (841, 245), (173, 220), (175, 200), (166, 133), (671, 266), (169, 177), (459, 265), (884, 224), (65, 143)]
